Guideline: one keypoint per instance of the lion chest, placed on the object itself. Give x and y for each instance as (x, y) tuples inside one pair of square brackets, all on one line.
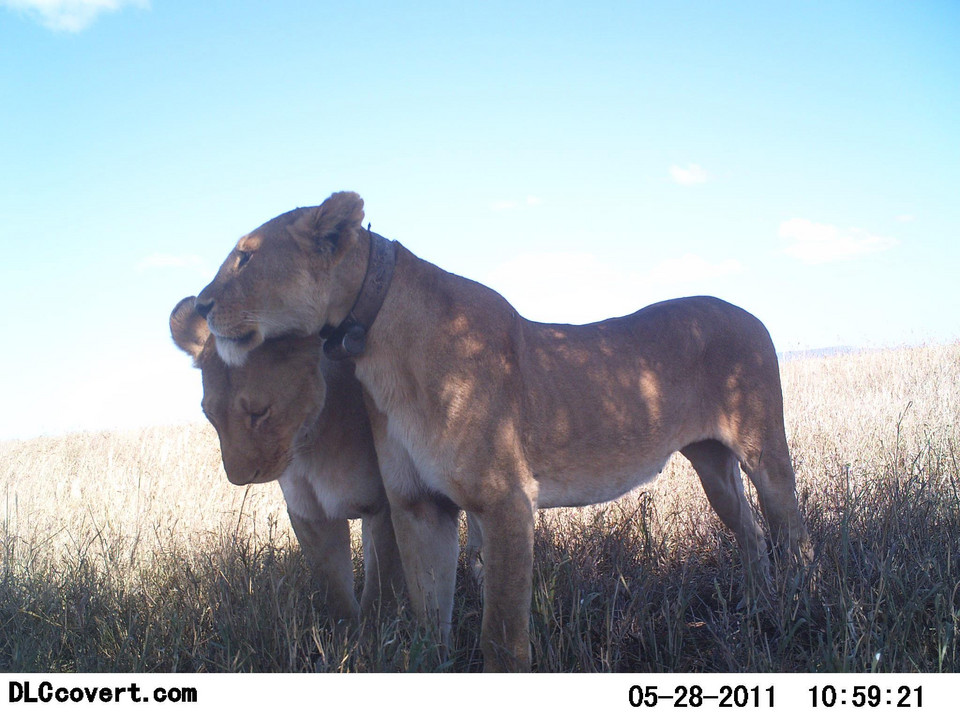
[(333, 485)]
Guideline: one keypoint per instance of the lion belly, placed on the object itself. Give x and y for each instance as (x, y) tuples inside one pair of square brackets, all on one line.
[(588, 486)]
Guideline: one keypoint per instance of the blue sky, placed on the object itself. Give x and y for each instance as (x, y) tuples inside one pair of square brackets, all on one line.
[(799, 159)]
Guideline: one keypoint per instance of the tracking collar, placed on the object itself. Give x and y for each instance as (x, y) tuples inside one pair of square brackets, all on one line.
[(349, 338)]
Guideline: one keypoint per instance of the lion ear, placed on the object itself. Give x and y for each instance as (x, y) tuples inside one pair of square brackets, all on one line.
[(324, 228), (188, 328)]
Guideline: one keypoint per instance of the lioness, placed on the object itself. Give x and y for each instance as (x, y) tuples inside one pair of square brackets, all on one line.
[(291, 414), (501, 415)]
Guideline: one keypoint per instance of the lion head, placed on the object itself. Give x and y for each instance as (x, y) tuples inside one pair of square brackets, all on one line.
[(259, 408), (293, 274)]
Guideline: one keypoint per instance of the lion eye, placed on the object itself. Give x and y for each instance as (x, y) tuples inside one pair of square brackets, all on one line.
[(257, 418), (243, 259)]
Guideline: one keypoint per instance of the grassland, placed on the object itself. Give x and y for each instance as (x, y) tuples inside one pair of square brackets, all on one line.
[(131, 552)]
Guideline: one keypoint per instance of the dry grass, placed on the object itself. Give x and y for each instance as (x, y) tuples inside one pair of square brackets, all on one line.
[(131, 552)]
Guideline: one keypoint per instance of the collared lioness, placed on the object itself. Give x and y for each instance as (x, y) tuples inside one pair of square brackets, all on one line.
[(501, 415), (291, 415)]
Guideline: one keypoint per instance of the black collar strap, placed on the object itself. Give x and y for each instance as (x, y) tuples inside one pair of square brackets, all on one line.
[(349, 338)]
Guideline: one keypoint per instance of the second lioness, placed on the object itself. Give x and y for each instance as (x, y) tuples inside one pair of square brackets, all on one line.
[(290, 414)]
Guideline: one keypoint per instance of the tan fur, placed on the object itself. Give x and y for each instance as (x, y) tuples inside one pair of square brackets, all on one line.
[(500, 415), (291, 415)]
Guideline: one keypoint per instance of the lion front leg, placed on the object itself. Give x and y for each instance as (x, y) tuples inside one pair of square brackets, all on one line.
[(428, 536), (507, 529), (326, 546), (382, 566), (474, 549)]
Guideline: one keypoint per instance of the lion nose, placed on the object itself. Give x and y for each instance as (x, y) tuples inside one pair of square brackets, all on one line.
[(203, 307)]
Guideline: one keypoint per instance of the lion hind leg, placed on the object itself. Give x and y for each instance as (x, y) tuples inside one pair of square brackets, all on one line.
[(719, 471), (771, 473)]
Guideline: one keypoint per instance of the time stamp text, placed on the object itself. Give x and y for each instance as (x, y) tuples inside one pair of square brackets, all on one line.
[(817, 696)]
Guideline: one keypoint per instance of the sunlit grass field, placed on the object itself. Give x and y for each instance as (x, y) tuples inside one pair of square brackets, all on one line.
[(131, 552)]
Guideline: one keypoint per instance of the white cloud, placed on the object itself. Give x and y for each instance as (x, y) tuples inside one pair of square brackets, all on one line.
[(692, 174), (580, 287), (529, 201), (69, 15), (905, 218), (160, 261), (816, 243)]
